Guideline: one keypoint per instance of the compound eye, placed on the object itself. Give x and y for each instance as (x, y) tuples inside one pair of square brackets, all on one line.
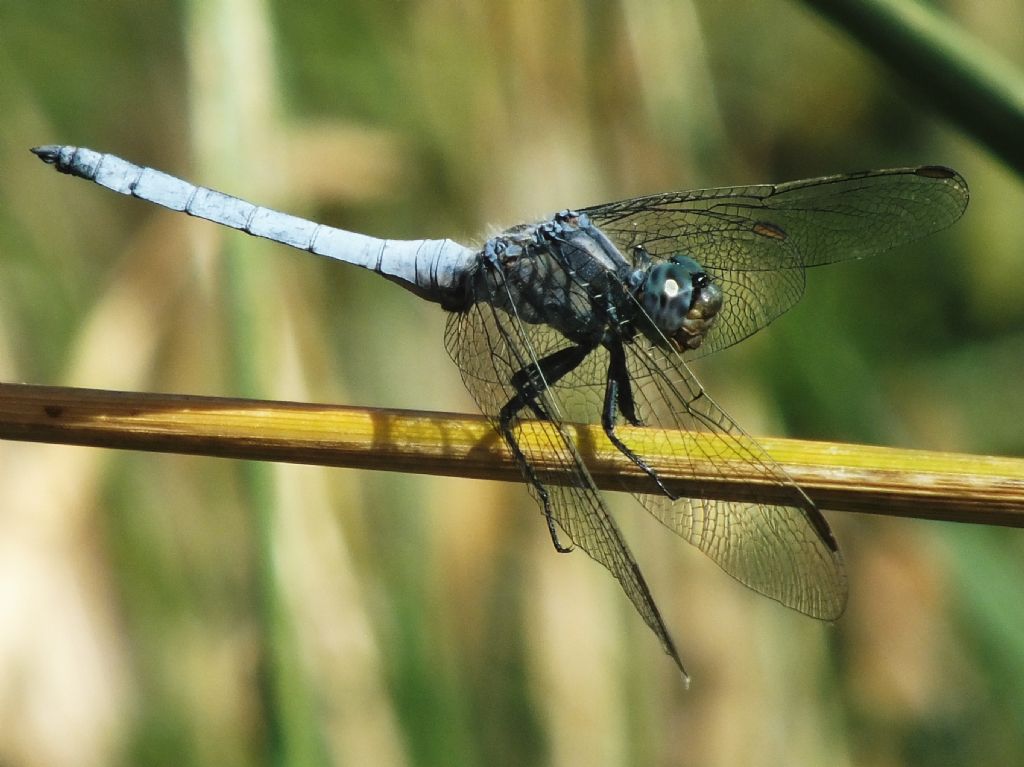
[(667, 296)]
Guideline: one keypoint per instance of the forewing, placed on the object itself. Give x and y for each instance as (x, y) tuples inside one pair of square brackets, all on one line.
[(785, 551), (489, 347), (755, 241)]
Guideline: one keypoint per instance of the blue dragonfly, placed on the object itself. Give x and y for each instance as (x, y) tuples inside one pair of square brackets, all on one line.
[(591, 316)]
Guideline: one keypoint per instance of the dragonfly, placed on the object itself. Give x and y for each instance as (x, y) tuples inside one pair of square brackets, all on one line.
[(592, 315)]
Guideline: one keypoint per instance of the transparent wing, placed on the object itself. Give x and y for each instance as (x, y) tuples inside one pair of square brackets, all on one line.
[(785, 552), (756, 241), (489, 347)]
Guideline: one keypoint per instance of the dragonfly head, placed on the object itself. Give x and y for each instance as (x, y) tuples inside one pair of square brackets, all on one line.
[(681, 301)]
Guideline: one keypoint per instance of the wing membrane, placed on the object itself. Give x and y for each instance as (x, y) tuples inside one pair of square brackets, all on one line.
[(786, 551), (489, 347), (756, 241)]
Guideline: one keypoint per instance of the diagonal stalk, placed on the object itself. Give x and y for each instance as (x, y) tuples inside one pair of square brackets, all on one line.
[(968, 82)]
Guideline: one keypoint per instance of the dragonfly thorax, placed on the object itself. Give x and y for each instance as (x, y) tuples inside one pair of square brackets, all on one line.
[(564, 273), (681, 301)]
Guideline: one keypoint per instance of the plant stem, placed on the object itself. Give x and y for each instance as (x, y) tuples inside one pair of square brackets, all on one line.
[(973, 86), (840, 477)]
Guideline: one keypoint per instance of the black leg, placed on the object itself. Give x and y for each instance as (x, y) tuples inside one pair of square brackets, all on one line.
[(533, 479), (618, 393), (530, 382)]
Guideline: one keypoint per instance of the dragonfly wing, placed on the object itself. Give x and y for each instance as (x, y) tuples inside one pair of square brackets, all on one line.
[(490, 347), (786, 551), (756, 241)]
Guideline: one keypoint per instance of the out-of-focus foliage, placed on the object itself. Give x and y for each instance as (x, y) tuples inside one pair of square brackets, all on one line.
[(175, 610)]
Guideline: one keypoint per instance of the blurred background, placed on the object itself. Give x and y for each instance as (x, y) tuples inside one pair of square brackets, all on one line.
[(159, 609)]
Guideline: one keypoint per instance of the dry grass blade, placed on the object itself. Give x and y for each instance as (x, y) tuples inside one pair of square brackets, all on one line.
[(840, 477)]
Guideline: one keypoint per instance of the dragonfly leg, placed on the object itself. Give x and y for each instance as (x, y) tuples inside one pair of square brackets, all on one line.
[(533, 479), (530, 382), (618, 394)]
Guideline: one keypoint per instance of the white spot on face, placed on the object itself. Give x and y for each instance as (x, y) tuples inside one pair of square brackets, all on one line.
[(671, 288)]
